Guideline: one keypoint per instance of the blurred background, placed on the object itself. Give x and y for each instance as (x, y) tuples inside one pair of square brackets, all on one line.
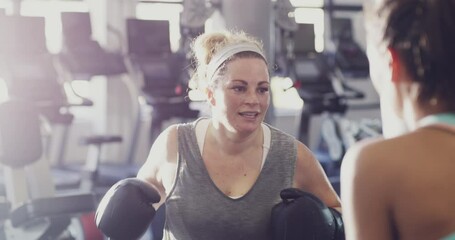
[(106, 76)]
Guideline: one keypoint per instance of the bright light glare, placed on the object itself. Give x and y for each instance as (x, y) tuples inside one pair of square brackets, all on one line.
[(81, 87), (307, 3), (285, 98), (6, 6), (286, 83), (196, 95), (313, 16), (51, 11)]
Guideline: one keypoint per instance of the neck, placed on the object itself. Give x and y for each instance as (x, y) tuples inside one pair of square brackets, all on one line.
[(233, 142), (417, 112)]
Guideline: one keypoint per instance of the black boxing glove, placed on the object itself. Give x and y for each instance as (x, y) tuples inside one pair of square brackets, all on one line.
[(126, 210), (302, 215)]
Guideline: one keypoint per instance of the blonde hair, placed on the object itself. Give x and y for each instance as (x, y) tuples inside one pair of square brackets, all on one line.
[(207, 45)]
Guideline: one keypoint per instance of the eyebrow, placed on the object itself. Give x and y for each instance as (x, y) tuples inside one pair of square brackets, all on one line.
[(246, 83)]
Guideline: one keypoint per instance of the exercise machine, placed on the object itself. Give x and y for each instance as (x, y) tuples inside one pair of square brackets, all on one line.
[(192, 23), (285, 27), (30, 74), (36, 211), (162, 72), (325, 93), (82, 58)]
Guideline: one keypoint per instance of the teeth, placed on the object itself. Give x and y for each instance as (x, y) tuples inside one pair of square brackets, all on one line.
[(249, 114)]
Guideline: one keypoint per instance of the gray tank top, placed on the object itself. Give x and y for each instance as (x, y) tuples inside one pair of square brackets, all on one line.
[(197, 210)]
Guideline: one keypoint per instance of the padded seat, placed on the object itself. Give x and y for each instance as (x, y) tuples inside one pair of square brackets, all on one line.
[(66, 179)]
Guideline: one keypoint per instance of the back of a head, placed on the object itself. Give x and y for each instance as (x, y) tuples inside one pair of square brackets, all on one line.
[(422, 33), (207, 45)]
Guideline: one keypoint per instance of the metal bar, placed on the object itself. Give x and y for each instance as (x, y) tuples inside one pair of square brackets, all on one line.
[(336, 7), (347, 8), (165, 2)]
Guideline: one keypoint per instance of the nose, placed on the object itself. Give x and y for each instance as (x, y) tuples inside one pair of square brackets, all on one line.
[(252, 97)]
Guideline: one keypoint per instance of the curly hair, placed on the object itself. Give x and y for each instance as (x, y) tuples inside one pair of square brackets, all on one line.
[(422, 33), (207, 45)]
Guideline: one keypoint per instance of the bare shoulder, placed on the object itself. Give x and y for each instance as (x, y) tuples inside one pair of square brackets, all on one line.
[(310, 177), (368, 176), (303, 152), (390, 179), (370, 153), (163, 151), (305, 164), (376, 164), (388, 154), (165, 145)]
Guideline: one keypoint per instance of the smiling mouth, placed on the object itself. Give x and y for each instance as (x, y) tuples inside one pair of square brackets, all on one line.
[(249, 114)]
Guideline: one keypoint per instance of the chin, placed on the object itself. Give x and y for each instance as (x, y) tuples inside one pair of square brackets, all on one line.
[(249, 126)]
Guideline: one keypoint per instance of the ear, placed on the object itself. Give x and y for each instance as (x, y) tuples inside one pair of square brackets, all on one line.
[(209, 95), (395, 65)]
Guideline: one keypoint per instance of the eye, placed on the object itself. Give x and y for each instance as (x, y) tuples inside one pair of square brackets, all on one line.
[(263, 89), (239, 88)]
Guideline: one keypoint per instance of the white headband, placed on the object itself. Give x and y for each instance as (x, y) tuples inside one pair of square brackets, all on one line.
[(227, 52)]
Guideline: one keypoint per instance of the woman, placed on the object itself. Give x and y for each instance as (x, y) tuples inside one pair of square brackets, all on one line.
[(221, 176), (401, 187)]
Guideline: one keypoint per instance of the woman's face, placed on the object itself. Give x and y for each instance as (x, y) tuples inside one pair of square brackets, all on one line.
[(241, 99)]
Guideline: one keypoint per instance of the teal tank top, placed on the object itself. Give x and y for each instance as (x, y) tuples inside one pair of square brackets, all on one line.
[(450, 237), (197, 210)]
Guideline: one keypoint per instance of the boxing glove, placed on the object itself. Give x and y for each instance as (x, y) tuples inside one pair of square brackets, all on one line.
[(125, 212), (301, 215)]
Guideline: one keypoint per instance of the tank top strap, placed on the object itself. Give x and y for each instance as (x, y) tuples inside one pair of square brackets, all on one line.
[(442, 121)]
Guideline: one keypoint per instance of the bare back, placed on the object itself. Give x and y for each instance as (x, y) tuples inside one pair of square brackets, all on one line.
[(401, 188), (424, 207)]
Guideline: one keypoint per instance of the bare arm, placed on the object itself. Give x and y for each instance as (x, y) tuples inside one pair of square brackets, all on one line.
[(309, 176), (365, 183), (160, 167)]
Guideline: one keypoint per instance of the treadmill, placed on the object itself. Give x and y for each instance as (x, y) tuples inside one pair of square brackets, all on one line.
[(30, 74), (83, 58), (163, 72)]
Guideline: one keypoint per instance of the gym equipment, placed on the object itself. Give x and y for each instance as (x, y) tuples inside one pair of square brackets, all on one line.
[(126, 210), (83, 58), (323, 88), (191, 25), (301, 215), (195, 13), (5, 207), (36, 212), (30, 74), (349, 56), (81, 55), (285, 27), (162, 71)]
